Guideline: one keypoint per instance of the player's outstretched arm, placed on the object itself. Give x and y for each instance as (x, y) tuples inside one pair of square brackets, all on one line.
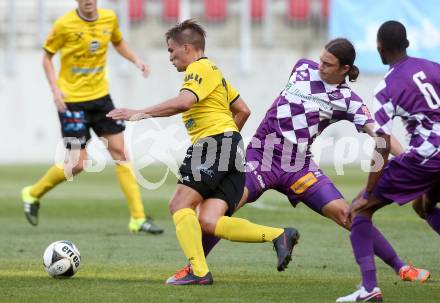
[(381, 153), (395, 147), (171, 107), (369, 129), (378, 162), (125, 51), (49, 70), (240, 112)]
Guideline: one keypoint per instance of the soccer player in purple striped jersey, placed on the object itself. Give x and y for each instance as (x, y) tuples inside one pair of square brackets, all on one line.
[(410, 90), (278, 157)]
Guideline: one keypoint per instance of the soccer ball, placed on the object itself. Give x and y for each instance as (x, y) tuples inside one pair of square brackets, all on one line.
[(61, 259)]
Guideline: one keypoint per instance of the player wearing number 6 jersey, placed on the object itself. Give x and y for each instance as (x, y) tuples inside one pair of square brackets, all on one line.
[(411, 91)]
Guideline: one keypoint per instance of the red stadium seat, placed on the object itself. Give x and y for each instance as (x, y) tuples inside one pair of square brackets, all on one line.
[(171, 10), (257, 10), (136, 10), (298, 10), (215, 10), (325, 7)]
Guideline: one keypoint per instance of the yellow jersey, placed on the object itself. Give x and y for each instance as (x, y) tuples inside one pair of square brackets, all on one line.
[(83, 50), (211, 114)]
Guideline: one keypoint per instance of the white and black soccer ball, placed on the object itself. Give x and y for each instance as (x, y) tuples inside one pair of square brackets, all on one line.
[(61, 259)]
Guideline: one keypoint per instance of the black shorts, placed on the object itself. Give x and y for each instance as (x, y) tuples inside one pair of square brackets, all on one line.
[(214, 167), (81, 116)]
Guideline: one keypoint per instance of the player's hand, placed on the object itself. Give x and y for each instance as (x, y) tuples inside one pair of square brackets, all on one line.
[(144, 68), (356, 205), (360, 194), (126, 114), (58, 98)]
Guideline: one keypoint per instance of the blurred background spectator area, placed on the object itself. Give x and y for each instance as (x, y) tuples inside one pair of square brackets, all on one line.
[(280, 22)]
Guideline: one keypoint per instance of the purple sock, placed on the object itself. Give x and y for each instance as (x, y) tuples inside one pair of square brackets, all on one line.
[(384, 250), (433, 219), (208, 243), (361, 237)]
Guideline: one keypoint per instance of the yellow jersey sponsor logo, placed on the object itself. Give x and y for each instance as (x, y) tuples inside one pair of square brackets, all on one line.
[(211, 114), (86, 70), (303, 183), (195, 77)]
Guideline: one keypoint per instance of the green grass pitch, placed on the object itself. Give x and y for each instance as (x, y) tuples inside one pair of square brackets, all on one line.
[(120, 267)]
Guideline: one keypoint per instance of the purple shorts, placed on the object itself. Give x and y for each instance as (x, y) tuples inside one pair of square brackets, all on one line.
[(405, 179), (307, 183)]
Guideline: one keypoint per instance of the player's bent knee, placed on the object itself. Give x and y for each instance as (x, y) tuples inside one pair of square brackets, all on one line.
[(430, 200), (77, 169), (417, 205), (118, 154), (337, 211), (174, 205), (340, 217), (178, 202), (208, 225)]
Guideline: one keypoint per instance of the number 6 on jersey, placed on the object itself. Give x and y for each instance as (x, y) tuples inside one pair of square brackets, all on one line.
[(427, 90)]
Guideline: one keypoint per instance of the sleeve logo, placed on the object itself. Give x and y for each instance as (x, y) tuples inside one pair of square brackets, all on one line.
[(195, 77)]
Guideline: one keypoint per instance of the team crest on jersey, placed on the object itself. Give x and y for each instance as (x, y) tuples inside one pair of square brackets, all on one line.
[(190, 124), (94, 46), (336, 95), (303, 75)]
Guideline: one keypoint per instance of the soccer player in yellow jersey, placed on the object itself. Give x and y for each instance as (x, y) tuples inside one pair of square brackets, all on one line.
[(212, 174), (81, 95)]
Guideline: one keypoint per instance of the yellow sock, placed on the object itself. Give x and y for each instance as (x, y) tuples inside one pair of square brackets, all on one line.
[(130, 188), (189, 234), (53, 177), (241, 230)]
